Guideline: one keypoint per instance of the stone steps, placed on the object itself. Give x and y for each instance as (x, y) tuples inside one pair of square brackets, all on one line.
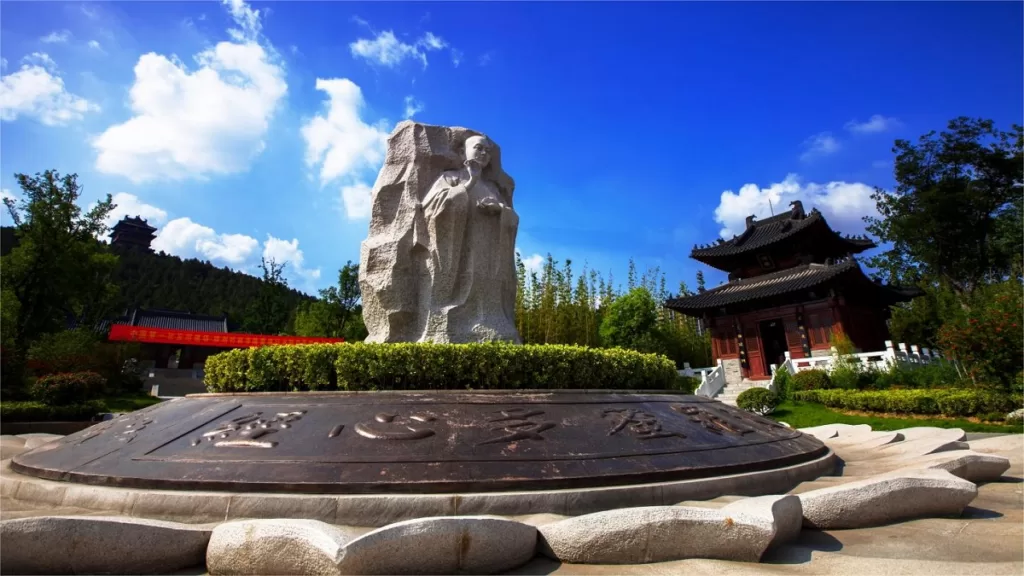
[(730, 392)]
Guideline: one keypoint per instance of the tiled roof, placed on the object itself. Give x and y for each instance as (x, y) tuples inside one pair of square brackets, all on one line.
[(135, 222), (777, 283), (177, 320), (771, 230)]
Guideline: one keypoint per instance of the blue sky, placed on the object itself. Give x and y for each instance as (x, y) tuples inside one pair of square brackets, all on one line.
[(632, 130)]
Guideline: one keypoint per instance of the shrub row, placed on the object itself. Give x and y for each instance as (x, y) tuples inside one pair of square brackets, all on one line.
[(758, 400), (364, 366), (40, 412), (67, 388), (948, 402)]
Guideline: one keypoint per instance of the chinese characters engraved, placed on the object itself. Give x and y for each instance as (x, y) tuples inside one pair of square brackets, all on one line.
[(250, 430), (394, 427), (517, 425), (642, 424), (716, 424)]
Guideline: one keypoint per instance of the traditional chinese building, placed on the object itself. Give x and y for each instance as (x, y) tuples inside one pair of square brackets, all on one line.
[(132, 233), (793, 284)]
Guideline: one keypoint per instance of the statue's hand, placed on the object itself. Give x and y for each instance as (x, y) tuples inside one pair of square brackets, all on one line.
[(473, 170), (490, 206)]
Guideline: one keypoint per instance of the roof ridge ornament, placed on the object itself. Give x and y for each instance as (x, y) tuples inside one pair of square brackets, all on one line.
[(797, 210)]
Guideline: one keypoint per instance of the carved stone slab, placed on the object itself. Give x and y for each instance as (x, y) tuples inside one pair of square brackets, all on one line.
[(416, 442)]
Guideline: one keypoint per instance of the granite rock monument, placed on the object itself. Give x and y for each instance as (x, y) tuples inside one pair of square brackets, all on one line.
[(438, 264)]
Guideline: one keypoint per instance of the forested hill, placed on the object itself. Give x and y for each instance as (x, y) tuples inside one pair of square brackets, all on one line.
[(162, 281)]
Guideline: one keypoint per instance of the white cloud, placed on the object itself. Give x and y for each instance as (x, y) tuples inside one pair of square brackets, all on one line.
[(844, 204), (357, 200), (183, 237), (285, 252), (5, 194), (56, 37), (413, 107), (129, 205), (340, 142), (387, 50), (873, 125), (456, 57), (38, 91), (95, 45), (485, 58), (818, 145), (533, 263), (193, 124), (3, 63)]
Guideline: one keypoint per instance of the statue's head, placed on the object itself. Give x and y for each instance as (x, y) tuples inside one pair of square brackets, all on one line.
[(479, 148), (482, 149)]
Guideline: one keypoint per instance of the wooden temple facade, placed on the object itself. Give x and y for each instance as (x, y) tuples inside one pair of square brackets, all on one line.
[(793, 284)]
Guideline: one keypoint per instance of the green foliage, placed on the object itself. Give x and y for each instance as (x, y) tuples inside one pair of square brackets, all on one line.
[(686, 384), (162, 281), (783, 384), (40, 412), (919, 320), (926, 376), (65, 351), (987, 337), (67, 388), (365, 366), (57, 271), (948, 402), (337, 313), (956, 214), (556, 306), (757, 400), (631, 321), (268, 313), (82, 350), (808, 414), (812, 380)]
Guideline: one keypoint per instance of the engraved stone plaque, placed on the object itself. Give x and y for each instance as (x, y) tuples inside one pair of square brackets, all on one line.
[(420, 442)]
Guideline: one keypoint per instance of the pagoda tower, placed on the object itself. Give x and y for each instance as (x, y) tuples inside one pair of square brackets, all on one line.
[(133, 233), (793, 284)]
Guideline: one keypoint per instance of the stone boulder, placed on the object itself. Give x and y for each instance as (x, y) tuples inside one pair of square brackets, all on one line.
[(99, 545), (741, 531), (887, 498)]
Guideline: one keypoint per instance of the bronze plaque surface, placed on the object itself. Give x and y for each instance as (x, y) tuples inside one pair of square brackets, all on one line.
[(419, 442)]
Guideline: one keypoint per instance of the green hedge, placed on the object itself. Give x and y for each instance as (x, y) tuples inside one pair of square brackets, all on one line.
[(363, 366), (948, 402), (757, 400), (39, 412)]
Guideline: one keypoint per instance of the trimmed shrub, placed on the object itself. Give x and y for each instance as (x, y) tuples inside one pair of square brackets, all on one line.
[(758, 400), (948, 402), (686, 384), (812, 380), (365, 366), (67, 388), (40, 412), (926, 376), (783, 384)]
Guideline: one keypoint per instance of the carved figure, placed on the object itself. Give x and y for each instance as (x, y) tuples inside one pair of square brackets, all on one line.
[(439, 262)]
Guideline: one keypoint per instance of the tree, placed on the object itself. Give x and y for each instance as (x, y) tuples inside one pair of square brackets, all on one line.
[(58, 271), (269, 312), (955, 215), (631, 321), (337, 313), (700, 280)]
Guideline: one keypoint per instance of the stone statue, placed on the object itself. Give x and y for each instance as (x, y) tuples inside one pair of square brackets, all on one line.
[(439, 262)]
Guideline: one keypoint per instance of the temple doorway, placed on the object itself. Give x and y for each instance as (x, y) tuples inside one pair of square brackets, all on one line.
[(773, 341)]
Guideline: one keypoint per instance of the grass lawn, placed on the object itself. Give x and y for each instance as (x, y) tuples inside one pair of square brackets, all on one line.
[(129, 403), (807, 414)]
